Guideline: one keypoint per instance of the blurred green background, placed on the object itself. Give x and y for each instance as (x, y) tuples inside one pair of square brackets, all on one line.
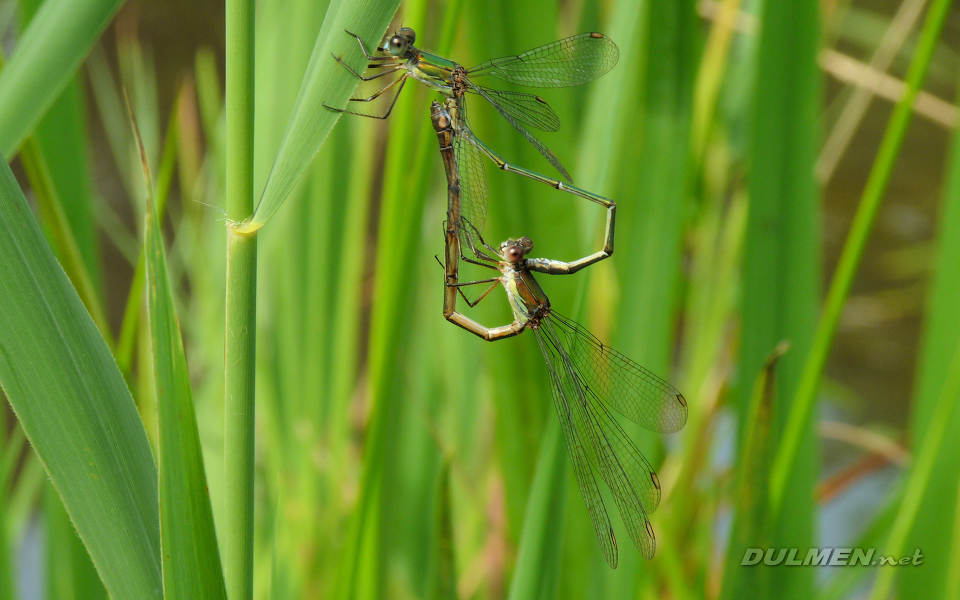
[(737, 138)]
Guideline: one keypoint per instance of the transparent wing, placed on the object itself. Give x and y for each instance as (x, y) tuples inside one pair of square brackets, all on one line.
[(570, 61), (526, 108), (578, 456), (516, 124), (612, 453), (474, 193), (611, 378)]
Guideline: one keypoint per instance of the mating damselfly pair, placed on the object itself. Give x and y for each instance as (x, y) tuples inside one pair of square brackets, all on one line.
[(588, 378)]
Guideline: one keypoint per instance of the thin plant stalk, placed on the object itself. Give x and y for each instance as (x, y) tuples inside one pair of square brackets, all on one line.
[(926, 457), (241, 310), (127, 337)]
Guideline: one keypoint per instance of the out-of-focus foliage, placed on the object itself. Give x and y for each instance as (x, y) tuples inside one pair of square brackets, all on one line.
[(400, 457)]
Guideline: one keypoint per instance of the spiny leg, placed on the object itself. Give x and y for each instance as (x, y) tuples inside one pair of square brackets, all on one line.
[(477, 262), (364, 48), (482, 242), (395, 67), (379, 93), (458, 285), (402, 80), (473, 246), (471, 304), (472, 262), (479, 255)]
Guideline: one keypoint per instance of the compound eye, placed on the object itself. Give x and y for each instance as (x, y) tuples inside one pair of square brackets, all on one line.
[(397, 45), (408, 33)]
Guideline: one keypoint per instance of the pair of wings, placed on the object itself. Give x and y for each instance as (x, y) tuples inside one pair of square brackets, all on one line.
[(587, 378), (571, 61)]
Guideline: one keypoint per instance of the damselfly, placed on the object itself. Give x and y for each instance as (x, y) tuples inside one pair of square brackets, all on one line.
[(587, 379), (568, 62)]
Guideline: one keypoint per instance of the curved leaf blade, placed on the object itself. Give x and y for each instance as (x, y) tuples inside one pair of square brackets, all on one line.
[(325, 82), (191, 558), (74, 406), (58, 38)]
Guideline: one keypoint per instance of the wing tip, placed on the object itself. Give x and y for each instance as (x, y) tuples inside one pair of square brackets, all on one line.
[(682, 421), (649, 552), (613, 558)]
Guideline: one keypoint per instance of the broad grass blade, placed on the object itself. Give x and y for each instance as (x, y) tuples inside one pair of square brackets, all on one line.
[(58, 38), (941, 336), (442, 568), (325, 81), (781, 262), (61, 135), (750, 491), (653, 182), (191, 559), (70, 574), (74, 406), (537, 573)]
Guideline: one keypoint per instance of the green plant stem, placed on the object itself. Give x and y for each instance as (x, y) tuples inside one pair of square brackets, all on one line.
[(925, 458), (803, 401), (241, 309)]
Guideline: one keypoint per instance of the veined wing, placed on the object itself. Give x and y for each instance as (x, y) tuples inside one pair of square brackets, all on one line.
[(474, 193), (530, 137), (612, 378), (570, 61), (526, 108), (622, 467), (577, 451)]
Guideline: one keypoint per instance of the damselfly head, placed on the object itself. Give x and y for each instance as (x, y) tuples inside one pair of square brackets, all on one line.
[(514, 250), (402, 41)]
